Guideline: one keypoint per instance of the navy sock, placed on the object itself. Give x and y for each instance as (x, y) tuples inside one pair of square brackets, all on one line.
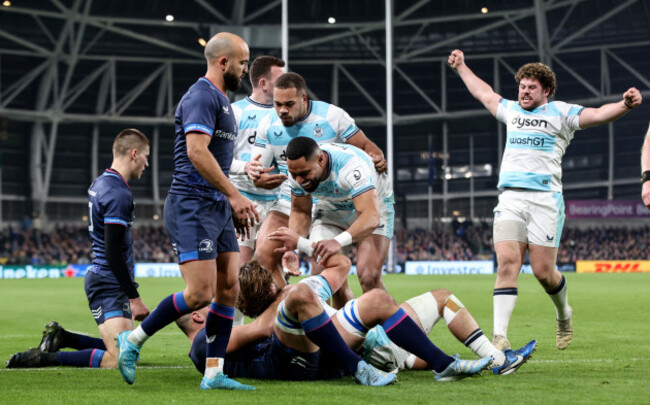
[(169, 309), (323, 333), (218, 326), (81, 358), (79, 342), (401, 329)]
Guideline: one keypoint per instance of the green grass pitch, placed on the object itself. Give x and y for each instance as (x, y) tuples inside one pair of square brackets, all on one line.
[(606, 363)]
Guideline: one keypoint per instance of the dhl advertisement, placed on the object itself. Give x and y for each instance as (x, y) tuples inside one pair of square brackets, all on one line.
[(613, 266)]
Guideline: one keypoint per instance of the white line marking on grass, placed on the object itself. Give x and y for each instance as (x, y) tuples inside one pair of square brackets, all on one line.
[(587, 360)]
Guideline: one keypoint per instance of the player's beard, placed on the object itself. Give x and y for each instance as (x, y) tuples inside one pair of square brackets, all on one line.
[(313, 185), (232, 81), (289, 122)]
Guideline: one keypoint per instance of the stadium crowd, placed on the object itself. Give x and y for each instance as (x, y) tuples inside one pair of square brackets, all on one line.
[(70, 244)]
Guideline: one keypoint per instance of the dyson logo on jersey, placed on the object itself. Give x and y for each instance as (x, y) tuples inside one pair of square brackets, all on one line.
[(527, 122), (226, 135), (537, 141)]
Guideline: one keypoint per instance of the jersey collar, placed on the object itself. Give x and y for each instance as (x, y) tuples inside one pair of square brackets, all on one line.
[(213, 85), (113, 172), (307, 114)]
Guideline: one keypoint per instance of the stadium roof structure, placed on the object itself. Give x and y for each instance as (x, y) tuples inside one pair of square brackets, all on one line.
[(78, 67)]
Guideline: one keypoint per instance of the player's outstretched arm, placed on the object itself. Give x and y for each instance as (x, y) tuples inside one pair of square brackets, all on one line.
[(590, 117), (645, 166), (367, 208), (300, 217), (477, 87)]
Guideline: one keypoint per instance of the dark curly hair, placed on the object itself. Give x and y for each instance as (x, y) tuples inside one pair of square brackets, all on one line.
[(255, 293), (540, 72)]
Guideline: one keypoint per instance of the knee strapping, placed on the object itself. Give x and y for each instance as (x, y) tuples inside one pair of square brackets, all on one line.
[(452, 307)]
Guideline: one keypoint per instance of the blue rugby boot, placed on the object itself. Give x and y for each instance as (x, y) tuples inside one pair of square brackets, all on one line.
[(222, 382), (127, 356), (368, 375), (462, 368)]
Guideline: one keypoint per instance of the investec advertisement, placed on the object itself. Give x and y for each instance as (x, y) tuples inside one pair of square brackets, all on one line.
[(477, 267), (613, 266)]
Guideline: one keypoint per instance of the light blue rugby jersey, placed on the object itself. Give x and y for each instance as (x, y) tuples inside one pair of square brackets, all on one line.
[(536, 141), (324, 123), (351, 172), (249, 114)]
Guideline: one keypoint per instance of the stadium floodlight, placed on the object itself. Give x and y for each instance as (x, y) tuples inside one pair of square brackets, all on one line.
[(169, 18)]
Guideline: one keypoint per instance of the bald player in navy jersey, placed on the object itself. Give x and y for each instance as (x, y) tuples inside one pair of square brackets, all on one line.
[(199, 212)]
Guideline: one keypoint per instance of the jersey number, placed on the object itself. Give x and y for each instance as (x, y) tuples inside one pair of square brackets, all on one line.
[(90, 216)]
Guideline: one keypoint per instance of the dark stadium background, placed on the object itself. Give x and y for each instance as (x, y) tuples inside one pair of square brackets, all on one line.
[(74, 73)]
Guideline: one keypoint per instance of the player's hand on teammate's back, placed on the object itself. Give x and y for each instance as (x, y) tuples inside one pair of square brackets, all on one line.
[(139, 310), (287, 236), (269, 181), (632, 97), (291, 263), (380, 163), (456, 58), (324, 249), (254, 167)]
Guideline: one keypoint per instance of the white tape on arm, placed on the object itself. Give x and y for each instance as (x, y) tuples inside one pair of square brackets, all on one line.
[(344, 238), (304, 245)]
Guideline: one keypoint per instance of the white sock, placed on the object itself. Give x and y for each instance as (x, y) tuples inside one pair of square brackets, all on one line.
[(238, 319), (138, 337), (503, 304), (213, 365), (484, 348), (561, 301)]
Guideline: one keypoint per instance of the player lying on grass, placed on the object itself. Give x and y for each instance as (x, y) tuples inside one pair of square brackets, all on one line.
[(260, 298)]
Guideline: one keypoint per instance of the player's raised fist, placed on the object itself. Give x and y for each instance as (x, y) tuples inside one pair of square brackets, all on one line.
[(632, 97), (456, 58)]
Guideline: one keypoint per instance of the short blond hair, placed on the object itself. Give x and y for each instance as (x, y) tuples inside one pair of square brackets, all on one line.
[(127, 140)]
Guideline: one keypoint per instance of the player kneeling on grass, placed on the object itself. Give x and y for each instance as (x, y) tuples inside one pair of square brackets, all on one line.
[(110, 286)]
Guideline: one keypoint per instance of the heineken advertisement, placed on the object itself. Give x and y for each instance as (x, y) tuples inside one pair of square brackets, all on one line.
[(79, 270)]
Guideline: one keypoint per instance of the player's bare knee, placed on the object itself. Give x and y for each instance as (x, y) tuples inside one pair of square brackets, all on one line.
[(197, 298), (299, 296), (508, 270), (369, 278), (381, 300), (441, 295)]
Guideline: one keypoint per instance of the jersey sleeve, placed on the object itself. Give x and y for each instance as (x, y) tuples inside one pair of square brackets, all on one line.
[(342, 123), (356, 177), (118, 207), (502, 110), (571, 113), (200, 112)]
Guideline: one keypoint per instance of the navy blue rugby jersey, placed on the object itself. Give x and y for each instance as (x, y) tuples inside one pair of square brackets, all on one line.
[(110, 202), (205, 109)]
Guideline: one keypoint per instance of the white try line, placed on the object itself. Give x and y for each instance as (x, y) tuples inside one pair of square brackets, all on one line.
[(576, 361)]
